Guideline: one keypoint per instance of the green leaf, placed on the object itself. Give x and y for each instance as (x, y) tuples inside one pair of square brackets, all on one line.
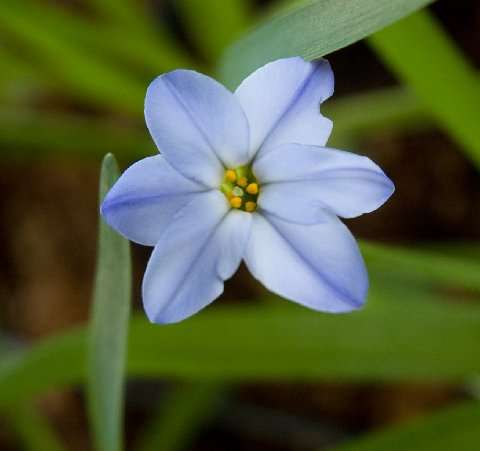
[(390, 341), (433, 267), (107, 348), (26, 133), (157, 53), (423, 56), (125, 12), (385, 110), (213, 25), (84, 75), (455, 428), (32, 429), (180, 416), (311, 30)]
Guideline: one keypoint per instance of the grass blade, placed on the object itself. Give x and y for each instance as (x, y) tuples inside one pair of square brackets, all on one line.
[(32, 428), (213, 25), (422, 55), (180, 416), (390, 340), (84, 75), (313, 29), (30, 134), (432, 267), (156, 53), (455, 428), (109, 328)]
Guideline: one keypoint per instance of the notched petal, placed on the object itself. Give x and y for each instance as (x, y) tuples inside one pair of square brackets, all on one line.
[(282, 103)]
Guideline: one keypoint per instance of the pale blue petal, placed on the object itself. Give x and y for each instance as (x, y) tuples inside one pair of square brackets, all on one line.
[(300, 182), (318, 266), (197, 124), (201, 248), (145, 198), (282, 103)]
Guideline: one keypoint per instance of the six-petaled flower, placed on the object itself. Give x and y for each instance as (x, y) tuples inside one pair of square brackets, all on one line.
[(246, 176)]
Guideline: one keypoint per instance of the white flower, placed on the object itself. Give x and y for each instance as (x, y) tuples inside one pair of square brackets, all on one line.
[(245, 175)]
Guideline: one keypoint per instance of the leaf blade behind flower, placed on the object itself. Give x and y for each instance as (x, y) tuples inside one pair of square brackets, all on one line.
[(390, 340), (453, 428), (311, 30), (423, 56)]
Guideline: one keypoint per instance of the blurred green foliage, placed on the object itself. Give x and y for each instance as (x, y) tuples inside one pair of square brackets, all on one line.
[(73, 84)]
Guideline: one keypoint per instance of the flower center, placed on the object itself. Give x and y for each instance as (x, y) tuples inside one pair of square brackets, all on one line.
[(241, 188)]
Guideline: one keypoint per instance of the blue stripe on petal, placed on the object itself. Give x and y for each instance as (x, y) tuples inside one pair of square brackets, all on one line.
[(318, 266), (197, 124), (201, 248), (282, 103), (145, 198), (300, 182)]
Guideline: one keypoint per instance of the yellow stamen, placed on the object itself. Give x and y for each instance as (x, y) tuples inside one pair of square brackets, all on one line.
[(250, 206), (236, 202), (252, 188), (230, 175), (242, 181)]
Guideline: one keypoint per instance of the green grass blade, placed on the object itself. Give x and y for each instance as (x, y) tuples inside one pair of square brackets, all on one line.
[(109, 328), (433, 267), (389, 341), (85, 76), (455, 428), (156, 53), (422, 55), (385, 110), (30, 134), (32, 429), (313, 29), (180, 416), (213, 25), (127, 13)]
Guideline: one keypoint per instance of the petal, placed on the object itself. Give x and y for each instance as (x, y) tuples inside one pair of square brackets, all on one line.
[(282, 103), (318, 266), (145, 198), (202, 247), (300, 182), (197, 124)]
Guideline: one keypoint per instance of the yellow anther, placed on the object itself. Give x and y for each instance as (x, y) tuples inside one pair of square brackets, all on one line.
[(230, 175), (236, 202), (242, 181), (252, 188), (250, 206)]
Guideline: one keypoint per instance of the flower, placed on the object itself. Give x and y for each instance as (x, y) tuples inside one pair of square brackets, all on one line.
[(246, 176)]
